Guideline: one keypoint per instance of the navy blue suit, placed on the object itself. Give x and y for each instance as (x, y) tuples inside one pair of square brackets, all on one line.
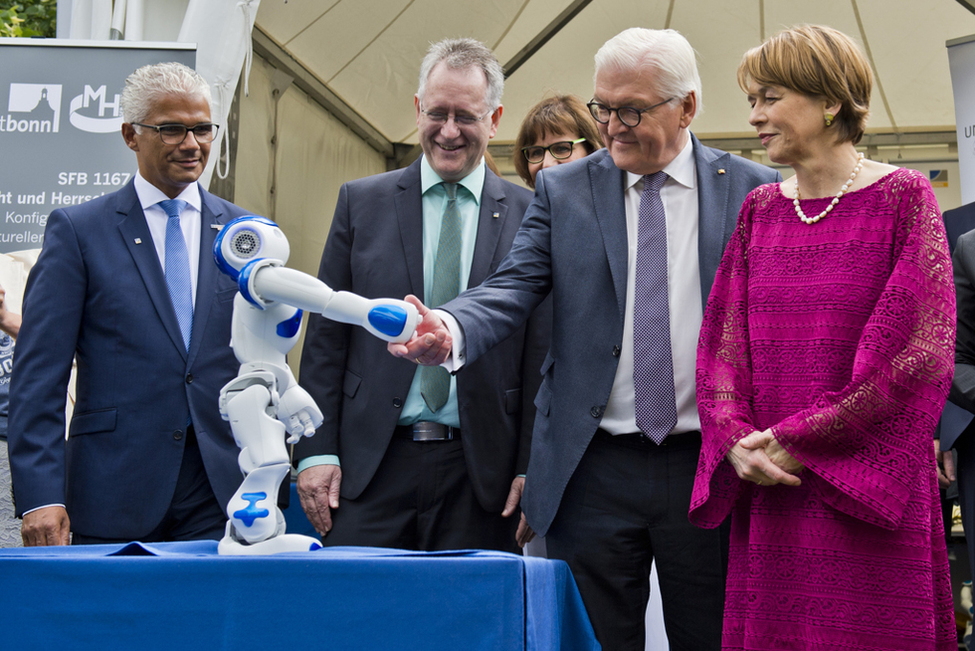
[(98, 293)]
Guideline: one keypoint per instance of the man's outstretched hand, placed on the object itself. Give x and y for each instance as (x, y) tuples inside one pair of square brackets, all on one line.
[(431, 343)]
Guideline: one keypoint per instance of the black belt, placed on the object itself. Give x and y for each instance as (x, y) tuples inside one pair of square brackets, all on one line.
[(427, 431), (639, 439)]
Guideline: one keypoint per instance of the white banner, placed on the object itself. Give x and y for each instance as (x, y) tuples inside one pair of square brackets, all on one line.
[(961, 62)]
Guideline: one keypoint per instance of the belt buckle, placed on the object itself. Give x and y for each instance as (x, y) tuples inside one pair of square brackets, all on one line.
[(428, 431)]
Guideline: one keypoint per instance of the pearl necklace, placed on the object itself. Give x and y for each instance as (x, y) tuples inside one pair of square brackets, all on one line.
[(836, 199)]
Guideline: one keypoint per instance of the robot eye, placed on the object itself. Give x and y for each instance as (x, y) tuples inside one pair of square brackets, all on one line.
[(245, 244)]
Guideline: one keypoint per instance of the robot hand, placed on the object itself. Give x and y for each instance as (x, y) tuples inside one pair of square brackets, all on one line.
[(299, 413)]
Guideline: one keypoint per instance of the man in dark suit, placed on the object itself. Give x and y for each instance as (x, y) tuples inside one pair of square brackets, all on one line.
[(421, 467), (131, 291), (612, 463), (957, 426)]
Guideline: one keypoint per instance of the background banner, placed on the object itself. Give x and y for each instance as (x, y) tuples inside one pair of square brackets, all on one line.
[(60, 126), (961, 62)]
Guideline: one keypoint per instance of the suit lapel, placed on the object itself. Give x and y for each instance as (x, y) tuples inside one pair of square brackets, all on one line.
[(409, 212), (714, 185), (138, 241), (608, 191), (211, 215), (492, 215)]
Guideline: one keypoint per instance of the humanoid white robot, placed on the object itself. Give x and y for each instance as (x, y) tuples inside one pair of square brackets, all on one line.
[(264, 400)]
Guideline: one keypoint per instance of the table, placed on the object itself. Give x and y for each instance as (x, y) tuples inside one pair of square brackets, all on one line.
[(183, 596)]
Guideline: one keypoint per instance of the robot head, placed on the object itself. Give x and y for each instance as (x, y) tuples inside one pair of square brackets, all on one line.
[(247, 239)]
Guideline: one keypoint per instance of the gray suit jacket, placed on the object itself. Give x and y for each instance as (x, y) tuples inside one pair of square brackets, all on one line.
[(963, 383), (375, 249), (573, 243), (98, 292)]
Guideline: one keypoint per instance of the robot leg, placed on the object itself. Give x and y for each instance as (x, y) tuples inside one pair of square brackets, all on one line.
[(255, 519)]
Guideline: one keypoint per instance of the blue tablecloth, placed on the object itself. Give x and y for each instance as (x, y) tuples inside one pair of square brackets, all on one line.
[(183, 596)]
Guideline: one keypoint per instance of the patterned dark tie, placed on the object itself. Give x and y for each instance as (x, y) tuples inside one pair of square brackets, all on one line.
[(435, 380), (653, 365), (178, 269)]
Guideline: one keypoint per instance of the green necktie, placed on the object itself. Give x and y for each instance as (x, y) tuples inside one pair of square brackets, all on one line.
[(435, 380)]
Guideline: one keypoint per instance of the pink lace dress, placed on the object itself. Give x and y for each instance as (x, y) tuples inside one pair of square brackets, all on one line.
[(840, 337)]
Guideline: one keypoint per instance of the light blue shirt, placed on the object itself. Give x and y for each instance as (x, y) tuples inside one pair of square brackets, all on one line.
[(434, 200)]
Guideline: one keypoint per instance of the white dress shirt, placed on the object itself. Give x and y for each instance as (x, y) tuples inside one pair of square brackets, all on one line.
[(189, 220), (680, 199)]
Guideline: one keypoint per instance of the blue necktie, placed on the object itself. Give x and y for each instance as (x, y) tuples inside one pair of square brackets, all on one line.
[(178, 269), (435, 380), (653, 364)]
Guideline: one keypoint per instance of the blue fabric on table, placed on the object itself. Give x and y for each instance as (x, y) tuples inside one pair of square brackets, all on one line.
[(182, 595)]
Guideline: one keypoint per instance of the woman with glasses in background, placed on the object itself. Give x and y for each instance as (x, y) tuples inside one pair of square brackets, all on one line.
[(556, 130)]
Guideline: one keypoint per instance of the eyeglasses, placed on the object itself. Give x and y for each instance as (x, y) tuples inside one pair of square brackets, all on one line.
[(175, 134), (559, 150), (628, 115), (461, 120)]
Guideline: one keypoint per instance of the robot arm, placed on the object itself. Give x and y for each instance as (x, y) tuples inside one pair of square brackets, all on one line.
[(253, 251)]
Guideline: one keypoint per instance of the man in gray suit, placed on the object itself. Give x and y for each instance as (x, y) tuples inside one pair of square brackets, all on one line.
[(426, 462), (617, 435)]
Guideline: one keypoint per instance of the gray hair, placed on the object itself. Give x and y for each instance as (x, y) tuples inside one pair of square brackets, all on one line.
[(461, 53), (666, 50), (147, 85)]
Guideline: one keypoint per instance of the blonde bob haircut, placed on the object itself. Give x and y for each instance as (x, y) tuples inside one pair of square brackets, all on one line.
[(816, 61)]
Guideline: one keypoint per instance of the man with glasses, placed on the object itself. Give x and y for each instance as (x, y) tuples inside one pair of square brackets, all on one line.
[(127, 284), (408, 458), (627, 241)]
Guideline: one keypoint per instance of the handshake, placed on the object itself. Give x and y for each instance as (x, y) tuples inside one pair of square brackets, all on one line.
[(431, 343)]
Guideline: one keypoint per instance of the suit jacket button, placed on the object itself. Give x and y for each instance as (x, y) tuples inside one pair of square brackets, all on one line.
[(178, 435), (597, 412), (189, 378), (616, 351), (397, 403)]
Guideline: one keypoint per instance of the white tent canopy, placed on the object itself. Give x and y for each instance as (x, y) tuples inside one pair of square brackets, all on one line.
[(368, 51)]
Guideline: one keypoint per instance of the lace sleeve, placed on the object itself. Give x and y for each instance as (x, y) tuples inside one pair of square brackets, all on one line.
[(724, 378), (866, 444)]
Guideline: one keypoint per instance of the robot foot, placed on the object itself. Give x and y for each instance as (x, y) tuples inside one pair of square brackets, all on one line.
[(232, 545)]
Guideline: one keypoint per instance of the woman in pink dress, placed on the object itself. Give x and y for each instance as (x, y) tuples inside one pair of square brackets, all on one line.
[(824, 362)]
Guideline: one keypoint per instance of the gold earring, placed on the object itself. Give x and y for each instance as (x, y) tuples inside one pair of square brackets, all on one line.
[(829, 119)]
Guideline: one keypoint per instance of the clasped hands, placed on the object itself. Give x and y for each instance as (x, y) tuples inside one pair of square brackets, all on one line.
[(760, 459)]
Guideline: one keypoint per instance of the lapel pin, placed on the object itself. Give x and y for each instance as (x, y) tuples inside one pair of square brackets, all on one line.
[(138, 240), (495, 215), (721, 171), (216, 227)]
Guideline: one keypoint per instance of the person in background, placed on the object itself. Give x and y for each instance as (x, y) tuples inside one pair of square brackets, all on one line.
[(10, 327), (556, 130), (825, 358)]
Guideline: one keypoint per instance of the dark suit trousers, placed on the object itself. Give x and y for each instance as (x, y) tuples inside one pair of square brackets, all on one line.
[(194, 513), (625, 506), (421, 498), (966, 492)]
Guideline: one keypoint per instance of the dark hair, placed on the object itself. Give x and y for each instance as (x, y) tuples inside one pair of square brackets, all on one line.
[(558, 114)]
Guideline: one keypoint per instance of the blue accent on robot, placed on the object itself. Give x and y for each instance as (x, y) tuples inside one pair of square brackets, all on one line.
[(218, 241), (289, 328), (388, 319), (244, 279), (251, 513)]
